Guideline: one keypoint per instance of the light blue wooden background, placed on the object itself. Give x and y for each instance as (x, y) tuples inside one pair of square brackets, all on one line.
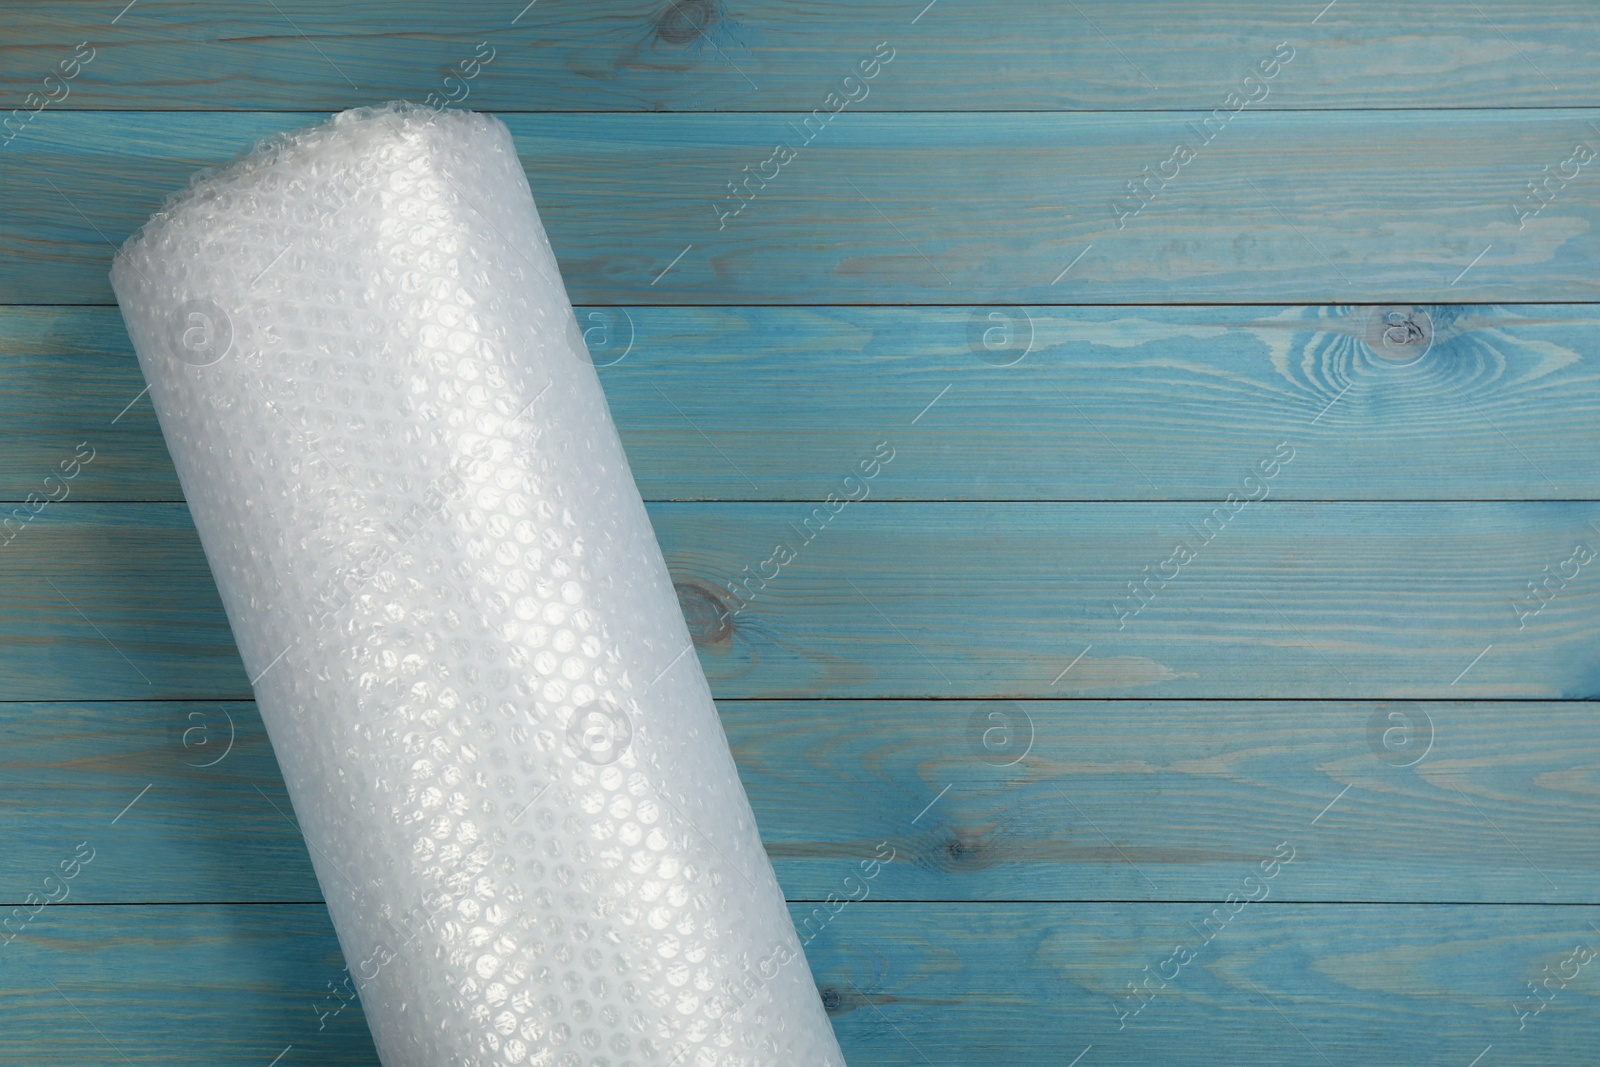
[(1342, 671)]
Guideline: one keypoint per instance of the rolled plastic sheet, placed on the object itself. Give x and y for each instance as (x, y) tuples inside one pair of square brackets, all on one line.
[(462, 636)]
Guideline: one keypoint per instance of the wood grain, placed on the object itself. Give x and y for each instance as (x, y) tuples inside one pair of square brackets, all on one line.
[(1287, 600), (775, 403), (906, 984), (1289, 207), (1465, 802), (646, 55)]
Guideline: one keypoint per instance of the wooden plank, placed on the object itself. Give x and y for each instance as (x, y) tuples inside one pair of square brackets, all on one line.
[(1285, 600), (1302, 207), (788, 54), (1307, 600), (1167, 800), (907, 984), (1469, 802), (1106, 404)]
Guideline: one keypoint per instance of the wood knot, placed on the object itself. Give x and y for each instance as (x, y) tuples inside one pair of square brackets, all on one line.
[(956, 849), (968, 855), (832, 1000), (708, 618), (1400, 334), (685, 21)]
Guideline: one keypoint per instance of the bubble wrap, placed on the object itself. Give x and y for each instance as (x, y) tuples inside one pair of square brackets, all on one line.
[(461, 633)]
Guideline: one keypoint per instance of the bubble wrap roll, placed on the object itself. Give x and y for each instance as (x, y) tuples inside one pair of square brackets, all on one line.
[(462, 636)]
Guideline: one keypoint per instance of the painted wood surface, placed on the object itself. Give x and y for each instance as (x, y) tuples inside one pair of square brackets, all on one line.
[(977, 403), (1342, 601), (933, 208), (1460, 802), (954, 664), (646, 55), (906, 984)]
